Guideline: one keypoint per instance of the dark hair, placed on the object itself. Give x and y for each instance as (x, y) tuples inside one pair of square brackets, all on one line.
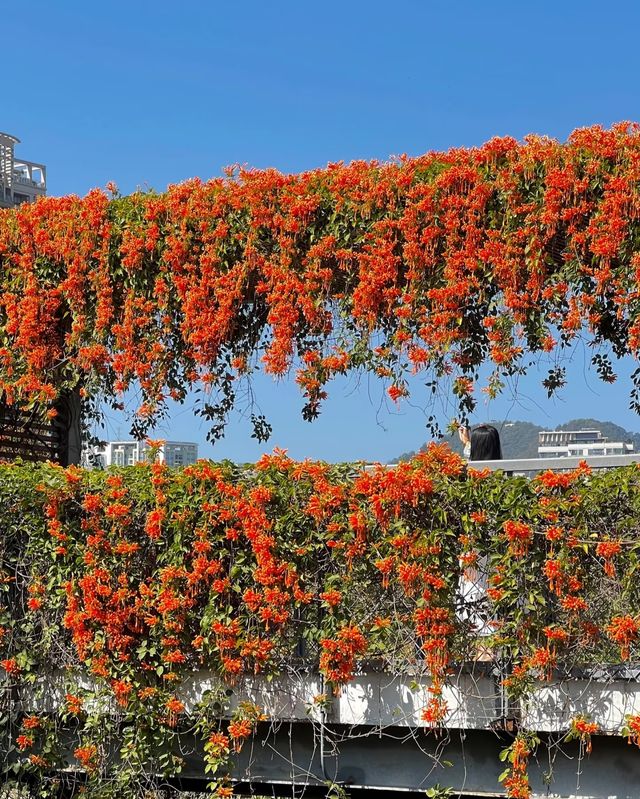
[(485, 443)]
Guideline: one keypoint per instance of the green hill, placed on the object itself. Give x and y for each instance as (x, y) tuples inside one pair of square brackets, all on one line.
[(520, 439)]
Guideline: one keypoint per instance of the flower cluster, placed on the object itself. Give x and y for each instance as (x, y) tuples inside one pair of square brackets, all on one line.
[(516, 780), (145, 575), (441, 262), (582, 729)]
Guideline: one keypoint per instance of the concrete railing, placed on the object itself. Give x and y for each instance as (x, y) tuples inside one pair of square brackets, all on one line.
[(369, 736), (531, 466)]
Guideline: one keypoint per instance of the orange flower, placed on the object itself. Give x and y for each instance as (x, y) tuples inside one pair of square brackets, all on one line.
[(175, 706), (86, 756), (219, 741), (24, 742), (633, 729), (396, 392), (332, 598), (435, 711), (74, 704), (10, 666), (238, 731), (607, 550), (519, 536), (338, 655), (623, 630)]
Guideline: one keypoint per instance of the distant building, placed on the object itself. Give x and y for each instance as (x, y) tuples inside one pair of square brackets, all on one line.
[(20, 181), (128, 453), (578, 444)]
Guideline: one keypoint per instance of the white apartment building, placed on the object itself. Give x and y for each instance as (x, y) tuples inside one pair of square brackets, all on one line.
[(128, 453), (20, 181), (578, 444)]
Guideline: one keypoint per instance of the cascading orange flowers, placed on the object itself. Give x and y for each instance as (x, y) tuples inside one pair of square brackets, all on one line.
[(429, 262), (257, 570)]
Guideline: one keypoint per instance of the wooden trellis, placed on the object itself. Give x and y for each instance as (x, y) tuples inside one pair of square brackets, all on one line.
[(24, 434)]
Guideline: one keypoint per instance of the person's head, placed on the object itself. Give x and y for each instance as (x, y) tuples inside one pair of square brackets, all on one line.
[(485, 443)]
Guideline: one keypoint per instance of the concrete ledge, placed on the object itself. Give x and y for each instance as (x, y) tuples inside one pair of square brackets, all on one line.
[(474, 699)]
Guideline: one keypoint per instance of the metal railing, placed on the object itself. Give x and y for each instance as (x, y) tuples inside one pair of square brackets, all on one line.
[(23, 180)]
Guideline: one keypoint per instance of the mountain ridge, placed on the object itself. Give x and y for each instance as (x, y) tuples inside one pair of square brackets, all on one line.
[(520, 439)]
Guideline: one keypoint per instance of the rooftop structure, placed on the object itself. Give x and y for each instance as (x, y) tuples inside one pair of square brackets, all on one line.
[(579, 443), (20, 181), (128, 453)]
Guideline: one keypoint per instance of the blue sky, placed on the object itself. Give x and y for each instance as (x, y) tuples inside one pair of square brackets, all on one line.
[(151, 93)]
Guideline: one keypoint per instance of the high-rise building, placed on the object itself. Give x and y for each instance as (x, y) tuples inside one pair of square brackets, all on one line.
[(20, 181), (128, 453), (578, 444)]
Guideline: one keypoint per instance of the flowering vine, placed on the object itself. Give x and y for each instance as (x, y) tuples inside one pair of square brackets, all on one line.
[(442, 263), (246, 571)]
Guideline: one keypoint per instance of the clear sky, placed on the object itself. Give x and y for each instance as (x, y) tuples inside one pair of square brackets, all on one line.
[(151, 93)]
